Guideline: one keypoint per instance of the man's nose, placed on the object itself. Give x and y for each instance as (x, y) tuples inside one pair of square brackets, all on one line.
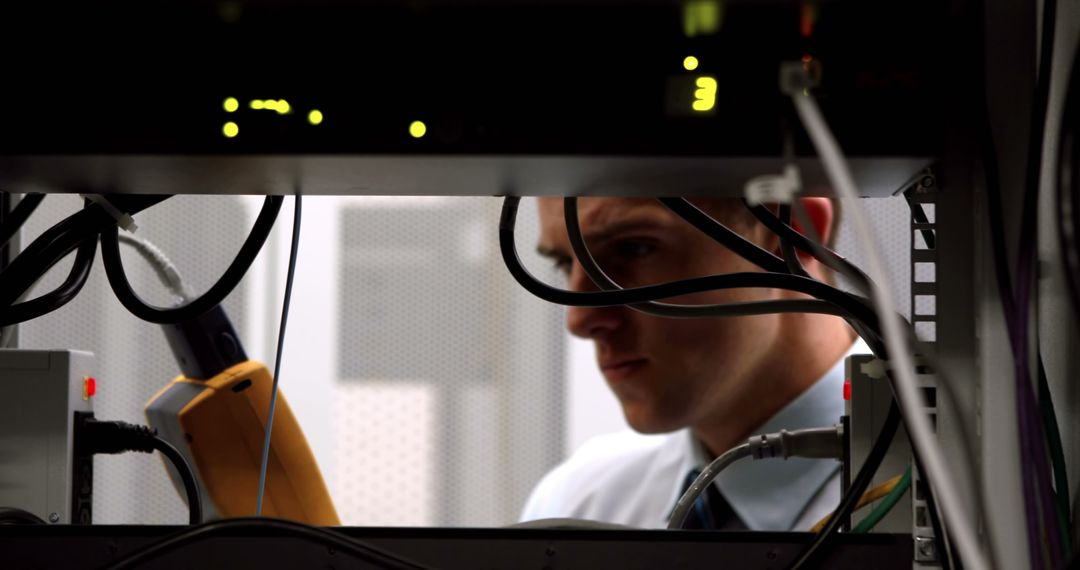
[(590, 322)]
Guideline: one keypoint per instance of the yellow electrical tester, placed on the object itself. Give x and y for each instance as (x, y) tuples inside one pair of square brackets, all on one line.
[(218, 423)]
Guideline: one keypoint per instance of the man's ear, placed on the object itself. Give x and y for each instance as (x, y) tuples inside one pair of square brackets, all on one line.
[(820, 211)]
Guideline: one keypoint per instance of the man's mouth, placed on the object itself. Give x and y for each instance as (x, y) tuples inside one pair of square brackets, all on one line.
[(619, 370)]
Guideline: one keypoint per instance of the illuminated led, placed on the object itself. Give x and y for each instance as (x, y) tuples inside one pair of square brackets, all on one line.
[(702, 17), (230, 130), (257, 104), (270, 105), (283, 107), (231, 105), (690, 63), (705, 94), (315, 117), (417, 129), (89, 387)]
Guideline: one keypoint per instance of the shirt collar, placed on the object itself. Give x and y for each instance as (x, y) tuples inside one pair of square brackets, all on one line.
[(771, 494)]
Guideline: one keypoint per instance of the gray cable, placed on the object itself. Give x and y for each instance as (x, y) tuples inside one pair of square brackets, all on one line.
[(815, 443), (938, 473), (601, 279), (293, 253), (686, 502)]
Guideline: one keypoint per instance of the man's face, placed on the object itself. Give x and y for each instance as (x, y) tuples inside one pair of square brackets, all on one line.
[(667, 373)]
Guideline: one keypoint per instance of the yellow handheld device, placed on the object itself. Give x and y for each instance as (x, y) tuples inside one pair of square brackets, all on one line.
[(219, 422)]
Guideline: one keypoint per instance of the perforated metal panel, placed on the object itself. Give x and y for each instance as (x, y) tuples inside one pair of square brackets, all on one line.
[(426, 302), (374, 480), (891, 221)]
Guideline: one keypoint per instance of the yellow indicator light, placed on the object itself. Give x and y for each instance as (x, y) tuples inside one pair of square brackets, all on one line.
[(702, 17), (690, 63), (231, 105), (257, 104), (230, 130), (315, 117), (705, 94), (283, 107), (417, 129), (270, 105)]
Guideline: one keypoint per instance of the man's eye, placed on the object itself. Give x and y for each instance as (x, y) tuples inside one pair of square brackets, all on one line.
[(631, 249)]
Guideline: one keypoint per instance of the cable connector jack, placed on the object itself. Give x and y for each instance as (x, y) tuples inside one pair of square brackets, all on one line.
[(93, 436), (799, 77), (816, 443), (112, 437)]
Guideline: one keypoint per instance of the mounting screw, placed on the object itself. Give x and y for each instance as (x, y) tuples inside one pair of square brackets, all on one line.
[(925, 549), (54, 517)]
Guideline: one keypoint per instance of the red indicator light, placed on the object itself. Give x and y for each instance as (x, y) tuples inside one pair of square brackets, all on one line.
[(847, 390), (89, 387)]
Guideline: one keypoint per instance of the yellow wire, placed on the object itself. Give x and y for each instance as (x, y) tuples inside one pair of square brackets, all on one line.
[(867, 498)]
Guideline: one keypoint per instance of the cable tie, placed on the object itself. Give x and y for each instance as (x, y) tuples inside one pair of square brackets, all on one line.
[(774, 188), (123, 220)]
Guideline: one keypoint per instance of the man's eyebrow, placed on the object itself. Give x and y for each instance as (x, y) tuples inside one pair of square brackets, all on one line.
[(545, 251), (606, 233)]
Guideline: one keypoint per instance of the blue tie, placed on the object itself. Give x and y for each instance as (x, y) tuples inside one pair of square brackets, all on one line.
[(711, 511)]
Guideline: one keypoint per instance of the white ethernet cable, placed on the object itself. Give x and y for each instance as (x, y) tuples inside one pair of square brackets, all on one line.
[(165, 270), (961, 526)]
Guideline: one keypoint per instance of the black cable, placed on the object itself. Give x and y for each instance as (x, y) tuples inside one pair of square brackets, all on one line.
[(187, 475), (18, 216), (15, 515), (46, 251), (795, 267), (741, 246), (94, 436), (859, 308), (59, 240), (812, 555), (920, 217), (604, 282), (865, 329), (62, 295), (358, 549), (114, 270), (826, 256)]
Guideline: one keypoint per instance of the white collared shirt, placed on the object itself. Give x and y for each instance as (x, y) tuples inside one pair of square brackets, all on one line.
[(632, 479)]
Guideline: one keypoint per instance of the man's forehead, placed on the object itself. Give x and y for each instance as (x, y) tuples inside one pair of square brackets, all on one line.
[(596, 213)]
